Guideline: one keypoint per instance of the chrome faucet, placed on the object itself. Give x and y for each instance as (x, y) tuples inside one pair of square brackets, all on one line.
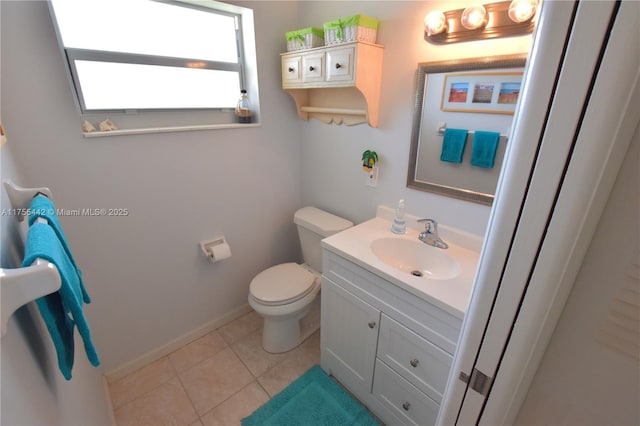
[(430, 234)]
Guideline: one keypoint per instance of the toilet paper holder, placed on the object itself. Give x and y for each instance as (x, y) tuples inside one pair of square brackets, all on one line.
[(216, 249)]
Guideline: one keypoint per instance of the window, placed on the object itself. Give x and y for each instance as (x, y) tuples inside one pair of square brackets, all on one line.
[(139, 55)]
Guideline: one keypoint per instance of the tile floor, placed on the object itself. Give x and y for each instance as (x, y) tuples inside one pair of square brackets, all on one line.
[(215, 380)]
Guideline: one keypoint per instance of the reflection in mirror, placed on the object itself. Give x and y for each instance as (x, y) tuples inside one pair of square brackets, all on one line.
[(475, 95)]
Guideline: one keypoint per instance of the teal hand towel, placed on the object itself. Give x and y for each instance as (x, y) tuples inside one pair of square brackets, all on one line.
[(453, 144), (483, 150), (63, 309), (43, 207)]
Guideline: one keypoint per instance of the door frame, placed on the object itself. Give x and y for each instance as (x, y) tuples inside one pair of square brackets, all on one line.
[(505, 333)]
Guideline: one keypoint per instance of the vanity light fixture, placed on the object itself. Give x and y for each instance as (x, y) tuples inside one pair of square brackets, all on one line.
[(522, 10), (474, 17), (478, 22), (435, 23)]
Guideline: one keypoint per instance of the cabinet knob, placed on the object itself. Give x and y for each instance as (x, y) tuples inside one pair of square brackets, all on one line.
[(406, 406), (372, 324), (338, 66), (414, 362), (291, 69), (311, 68)]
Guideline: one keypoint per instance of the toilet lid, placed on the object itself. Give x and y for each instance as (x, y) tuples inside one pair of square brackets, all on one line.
[(282, 284)]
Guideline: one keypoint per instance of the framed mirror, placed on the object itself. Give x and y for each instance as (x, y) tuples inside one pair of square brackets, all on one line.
[(472, 95)]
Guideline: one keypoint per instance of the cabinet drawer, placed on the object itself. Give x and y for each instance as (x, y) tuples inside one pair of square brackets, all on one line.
[(340, 64), (401, 399), (291, 70), (313, 68), (423, 364)]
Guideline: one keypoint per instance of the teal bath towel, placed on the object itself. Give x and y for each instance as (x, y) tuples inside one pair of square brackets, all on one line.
[(63, 309), (483, 150), (43, 207), (453, 144)]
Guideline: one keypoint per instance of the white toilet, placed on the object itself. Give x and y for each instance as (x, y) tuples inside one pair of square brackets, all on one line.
[(283, 294)]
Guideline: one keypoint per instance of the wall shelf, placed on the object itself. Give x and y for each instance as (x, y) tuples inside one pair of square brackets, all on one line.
[(169, 129), (338, 83)]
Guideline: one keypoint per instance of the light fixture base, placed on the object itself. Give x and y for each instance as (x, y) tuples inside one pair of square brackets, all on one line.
[(498, 25)]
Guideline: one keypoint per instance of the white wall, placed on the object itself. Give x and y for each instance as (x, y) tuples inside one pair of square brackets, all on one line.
[(582, 380), (332, 176), (32, 390), (145, 273)]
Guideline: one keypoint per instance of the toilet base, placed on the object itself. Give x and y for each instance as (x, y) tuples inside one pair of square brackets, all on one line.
[(280, 336), (284, 335)]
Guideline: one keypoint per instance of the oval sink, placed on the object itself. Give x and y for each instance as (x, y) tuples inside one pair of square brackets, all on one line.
[(416, 258)]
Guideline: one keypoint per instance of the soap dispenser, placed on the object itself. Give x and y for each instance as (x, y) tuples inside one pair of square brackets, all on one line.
[(399, 225)]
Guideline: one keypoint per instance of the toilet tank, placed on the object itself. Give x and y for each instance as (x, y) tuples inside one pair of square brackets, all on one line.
[(314, 225)]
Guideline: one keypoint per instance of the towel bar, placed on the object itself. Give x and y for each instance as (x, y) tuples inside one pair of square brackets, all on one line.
[(443, 127), (19, 286)]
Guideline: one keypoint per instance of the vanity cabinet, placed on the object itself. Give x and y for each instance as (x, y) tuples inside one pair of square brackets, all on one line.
[(391, 349), (335, 84)]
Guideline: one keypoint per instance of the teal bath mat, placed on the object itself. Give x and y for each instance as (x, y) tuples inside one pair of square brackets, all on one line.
[(312, 400)]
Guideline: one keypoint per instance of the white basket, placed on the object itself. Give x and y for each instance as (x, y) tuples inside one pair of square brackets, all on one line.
[(350, 33), (310, 41)]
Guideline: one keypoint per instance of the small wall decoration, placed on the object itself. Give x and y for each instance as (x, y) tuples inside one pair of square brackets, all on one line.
[(490, 93), (369, 159)]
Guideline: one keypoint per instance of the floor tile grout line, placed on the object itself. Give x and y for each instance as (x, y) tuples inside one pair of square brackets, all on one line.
[(233, 345), (234, 394), (243, 362), (256, 377), (176, 373), (193, 405), (162, 383), (202, 361)]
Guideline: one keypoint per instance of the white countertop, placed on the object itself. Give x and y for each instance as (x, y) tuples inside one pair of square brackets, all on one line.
[(452, 295)]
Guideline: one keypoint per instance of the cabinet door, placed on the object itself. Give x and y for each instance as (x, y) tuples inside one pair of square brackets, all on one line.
[(340, 64), (313, 68), (349, 335), (291, 70)]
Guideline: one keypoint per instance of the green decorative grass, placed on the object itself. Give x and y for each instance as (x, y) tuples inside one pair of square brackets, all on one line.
[(314, 399)]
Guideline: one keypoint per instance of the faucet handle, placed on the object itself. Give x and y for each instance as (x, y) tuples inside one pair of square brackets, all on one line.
[(430, 225)]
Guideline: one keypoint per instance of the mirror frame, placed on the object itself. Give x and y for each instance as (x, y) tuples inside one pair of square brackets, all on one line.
[(456, 65)]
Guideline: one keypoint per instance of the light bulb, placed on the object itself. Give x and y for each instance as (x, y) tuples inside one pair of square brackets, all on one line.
[(435, 23), (522, 10), (474, 17)]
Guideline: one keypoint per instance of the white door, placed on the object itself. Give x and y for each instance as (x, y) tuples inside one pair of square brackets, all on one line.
[(568, 131)]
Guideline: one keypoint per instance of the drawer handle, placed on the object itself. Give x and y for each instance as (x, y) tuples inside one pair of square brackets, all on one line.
[(311, 68), (338, 66), (291, 69), (414, 362), (406, 406), (372, 324)]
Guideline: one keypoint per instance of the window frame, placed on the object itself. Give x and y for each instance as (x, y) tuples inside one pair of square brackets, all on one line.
[(71, 55)]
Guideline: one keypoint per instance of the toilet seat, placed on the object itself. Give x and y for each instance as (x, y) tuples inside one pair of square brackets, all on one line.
[(282, 284)]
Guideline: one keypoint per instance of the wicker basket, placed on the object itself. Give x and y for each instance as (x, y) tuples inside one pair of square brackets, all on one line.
[(351, 28), (305, 38)]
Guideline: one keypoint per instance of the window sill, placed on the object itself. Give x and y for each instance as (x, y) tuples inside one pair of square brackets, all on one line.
[(142, 131)]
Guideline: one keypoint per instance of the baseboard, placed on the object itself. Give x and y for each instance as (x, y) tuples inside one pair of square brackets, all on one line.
[(107, 395), (175, 344)]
